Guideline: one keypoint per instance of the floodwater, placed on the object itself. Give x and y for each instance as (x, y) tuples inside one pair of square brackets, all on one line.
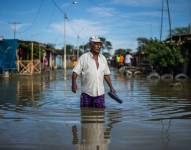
[(41, 112)]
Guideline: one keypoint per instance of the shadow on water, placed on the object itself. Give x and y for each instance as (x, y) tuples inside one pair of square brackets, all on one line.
[(41, 112)]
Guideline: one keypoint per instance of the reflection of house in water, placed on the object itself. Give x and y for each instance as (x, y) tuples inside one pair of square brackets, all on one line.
[(29, 89), (8, 91), (94, 134), (24, 90)]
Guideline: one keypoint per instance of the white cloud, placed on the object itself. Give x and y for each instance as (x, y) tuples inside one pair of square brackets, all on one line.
[(2, 22), (22, 26), (84, 28), (103, 11), (124, 43), (26, 12), (145, 14), (19, 26), (111, 12), (136, 2)]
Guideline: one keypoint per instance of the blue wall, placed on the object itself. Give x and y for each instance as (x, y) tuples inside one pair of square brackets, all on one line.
[(8, 54)]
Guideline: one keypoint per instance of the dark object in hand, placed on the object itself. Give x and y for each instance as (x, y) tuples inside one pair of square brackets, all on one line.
[(115, 97)]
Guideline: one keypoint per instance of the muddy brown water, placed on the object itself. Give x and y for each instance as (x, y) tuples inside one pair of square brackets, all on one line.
[(41, 112)]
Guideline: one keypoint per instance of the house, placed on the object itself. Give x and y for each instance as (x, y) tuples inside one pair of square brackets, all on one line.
[(8, 49)]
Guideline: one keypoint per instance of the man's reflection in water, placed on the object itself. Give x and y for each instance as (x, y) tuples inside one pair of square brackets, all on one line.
[(94, 134)]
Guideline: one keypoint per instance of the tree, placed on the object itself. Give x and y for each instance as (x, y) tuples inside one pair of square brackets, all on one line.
[(85, 47), (69, 49), (50, 46), (142, 42), (106, 54), (181, 30), (164, 57), (25, 46), (129, 50), (120, 51), (106, 44)]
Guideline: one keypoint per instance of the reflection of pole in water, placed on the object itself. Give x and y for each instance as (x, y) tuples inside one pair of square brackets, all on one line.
[(28, 90), (165, 136), (75, 135), (114, 116)]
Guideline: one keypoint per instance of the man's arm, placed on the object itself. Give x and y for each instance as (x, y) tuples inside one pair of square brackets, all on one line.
[(74, 84), (108, 80)]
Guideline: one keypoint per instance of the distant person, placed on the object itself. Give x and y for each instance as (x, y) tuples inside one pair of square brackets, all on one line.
[(74, 61), (118, 61), (45, 62), (93, 68), (121, 60), (128, 59)]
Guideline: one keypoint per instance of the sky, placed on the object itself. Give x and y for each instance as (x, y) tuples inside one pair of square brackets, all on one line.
[(120, 21)]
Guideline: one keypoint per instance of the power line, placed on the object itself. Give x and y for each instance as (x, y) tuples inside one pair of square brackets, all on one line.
[(58, 7), (169, 20), (34, 19), (52, 14), (65, 18)]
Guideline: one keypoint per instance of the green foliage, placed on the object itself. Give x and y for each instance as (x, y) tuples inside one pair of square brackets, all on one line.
[(106, 44), (142, 42), (50, 46), (85, 47), (26, 46), (69, 49), (181, 30), (163, 55), (120, 52), (106, 54), (129, 50)]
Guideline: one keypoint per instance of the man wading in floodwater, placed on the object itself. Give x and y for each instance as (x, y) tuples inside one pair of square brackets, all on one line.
[(93, 68)]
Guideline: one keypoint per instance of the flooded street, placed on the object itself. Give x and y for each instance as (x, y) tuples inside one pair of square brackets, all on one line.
[(41, 112)]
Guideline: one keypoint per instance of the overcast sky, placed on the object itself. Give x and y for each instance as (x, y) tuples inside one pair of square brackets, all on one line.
[(119, 21)]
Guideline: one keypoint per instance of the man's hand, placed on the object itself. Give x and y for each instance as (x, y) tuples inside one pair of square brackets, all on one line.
[(112, 90), (74, 84), (108, 80), (74, 87)]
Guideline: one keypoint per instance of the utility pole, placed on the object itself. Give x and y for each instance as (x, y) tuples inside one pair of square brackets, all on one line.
[(189, 16), (14, 28), (65, 18), (169, 20), (32, 64), (161, 25), (78, 49)]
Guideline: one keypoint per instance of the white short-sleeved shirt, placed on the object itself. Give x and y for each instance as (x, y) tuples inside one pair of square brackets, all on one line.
[(128, 58), (91, 77)]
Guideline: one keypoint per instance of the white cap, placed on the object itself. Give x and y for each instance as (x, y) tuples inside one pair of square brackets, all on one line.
[(95, 39)]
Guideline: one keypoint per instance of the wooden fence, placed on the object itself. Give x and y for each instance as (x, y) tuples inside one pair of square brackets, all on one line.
[(28, 67)]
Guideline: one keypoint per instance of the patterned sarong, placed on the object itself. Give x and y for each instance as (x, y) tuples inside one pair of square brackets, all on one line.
[(89, 101)]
